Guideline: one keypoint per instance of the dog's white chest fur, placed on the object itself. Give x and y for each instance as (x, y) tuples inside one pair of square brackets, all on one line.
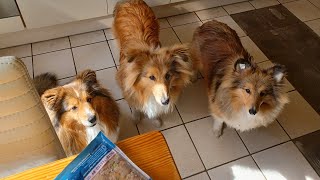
[(92, 132), (244, 121), (153, 109)]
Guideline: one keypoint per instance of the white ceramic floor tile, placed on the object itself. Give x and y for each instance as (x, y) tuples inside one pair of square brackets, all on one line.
[(201, 176), (242, 169), (163, 23), (107, 78), (115, 51), (303, 9), (168, 37), (315, 2), (263, 3), (185, 32), (215, 151), (211, 13), (58, 62), (18, 51), (264, 137), (64, 81), (253, 49), (284, 162), (50, 45), (314, 25), (184, 154), (267, 64), (94, 56), (183, 19), (87, 38), (169, 120), (109, 34), (298, 117), (28, 62), (193, 103), (232, 24), (238, 7), (127, 127)]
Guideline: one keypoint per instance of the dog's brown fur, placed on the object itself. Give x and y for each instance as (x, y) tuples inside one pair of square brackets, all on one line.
[(144, 66), (236, 85), (68, 108)]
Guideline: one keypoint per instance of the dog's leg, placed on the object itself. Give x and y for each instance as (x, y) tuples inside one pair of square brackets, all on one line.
[(194, 77), (137, 116), (157, 122), (217, 127)]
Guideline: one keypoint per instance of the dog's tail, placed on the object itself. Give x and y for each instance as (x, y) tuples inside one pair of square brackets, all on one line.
[(121, 2), (44, 82)]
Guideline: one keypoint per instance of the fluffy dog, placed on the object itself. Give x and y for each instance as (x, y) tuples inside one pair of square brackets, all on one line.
[(150, 77), (79, 110), (240, 93)]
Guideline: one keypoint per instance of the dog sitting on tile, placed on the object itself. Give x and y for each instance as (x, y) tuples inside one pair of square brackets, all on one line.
[(240, 94), (151, 77)]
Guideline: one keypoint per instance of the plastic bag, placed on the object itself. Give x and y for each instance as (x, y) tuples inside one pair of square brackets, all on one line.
[(102, 159)]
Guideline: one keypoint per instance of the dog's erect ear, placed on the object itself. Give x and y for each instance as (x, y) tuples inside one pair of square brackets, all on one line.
[(180, 52), (53, 98), (242, 65), (277, 72), (88, 77)]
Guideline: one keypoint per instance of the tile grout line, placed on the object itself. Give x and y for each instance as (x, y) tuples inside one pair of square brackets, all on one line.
[(313, 4), (214, 167), (192, 142), (74, 63), (114, 62), (258, 167), (250, 154), (196, 174), (306, 158), (32, 60), (283, 129)]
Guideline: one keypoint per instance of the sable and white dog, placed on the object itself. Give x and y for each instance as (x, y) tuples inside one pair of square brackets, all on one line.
[(151, 77), (241, 94), (79, 110)]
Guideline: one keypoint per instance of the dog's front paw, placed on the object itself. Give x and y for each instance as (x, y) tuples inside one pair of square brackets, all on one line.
[(137, 116), (217, 132), (157, 122), (194, 78), (217, 128)]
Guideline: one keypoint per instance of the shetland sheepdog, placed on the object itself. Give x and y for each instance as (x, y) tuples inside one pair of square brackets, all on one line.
[(151, 77), (79, 110), (240, 94)]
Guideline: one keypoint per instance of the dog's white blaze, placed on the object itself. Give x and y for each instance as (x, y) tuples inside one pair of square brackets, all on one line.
[(89, 111), (160, 93)]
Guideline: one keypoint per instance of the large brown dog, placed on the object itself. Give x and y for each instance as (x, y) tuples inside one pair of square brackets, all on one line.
[(151, 78), (240, 93), (79, 110)]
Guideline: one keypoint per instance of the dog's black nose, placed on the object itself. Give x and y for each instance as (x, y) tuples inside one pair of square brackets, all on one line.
[(166, 102), (93, 119), (253, 111)]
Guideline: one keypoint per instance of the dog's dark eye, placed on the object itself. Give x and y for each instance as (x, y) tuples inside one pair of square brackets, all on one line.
[(89, 100), (262, 94), (152, 78), (74, 108), (248, 91), (167, 76)]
